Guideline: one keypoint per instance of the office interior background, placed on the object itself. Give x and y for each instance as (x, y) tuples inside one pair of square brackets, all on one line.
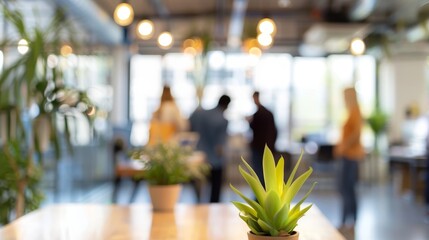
[(300, 75)]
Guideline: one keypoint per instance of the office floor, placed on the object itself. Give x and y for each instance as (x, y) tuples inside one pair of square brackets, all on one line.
[(383, 213)]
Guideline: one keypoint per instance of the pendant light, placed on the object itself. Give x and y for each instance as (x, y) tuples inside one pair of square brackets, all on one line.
[(145, 29), (165, 40), (267, 26), (357, 47), (124, 14), (266, 29)]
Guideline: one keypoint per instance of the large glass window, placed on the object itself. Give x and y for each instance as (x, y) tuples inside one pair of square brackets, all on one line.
[(145, 89), (346, 71), (310, 98), (305, 94)]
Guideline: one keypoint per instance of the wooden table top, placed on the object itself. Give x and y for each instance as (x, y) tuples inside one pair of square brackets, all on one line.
[(115, 222)]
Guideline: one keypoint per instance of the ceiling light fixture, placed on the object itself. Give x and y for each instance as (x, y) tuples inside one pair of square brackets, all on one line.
[(357, 46), (124, 14), (251, 46), (255, 51), (145, 29), (66, 50), (267, 26), (265, 40), (193, 46), (165, 40)]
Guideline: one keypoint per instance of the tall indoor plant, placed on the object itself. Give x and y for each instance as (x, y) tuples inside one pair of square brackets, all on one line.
[(31, 89), (271, 215), (166, 168)]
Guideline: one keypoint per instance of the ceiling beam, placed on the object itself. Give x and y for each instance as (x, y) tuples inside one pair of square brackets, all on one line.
[(236, 25), (94, 20), (220, 18), (303, 13), (160, 8)]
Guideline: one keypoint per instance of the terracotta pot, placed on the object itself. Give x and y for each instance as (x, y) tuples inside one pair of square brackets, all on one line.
[(164, 197), (294, 236)]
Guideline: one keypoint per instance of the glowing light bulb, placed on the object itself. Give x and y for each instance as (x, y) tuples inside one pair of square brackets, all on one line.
[(123, 14), (265, 40), (357, 46), (266, 26), (66, 50), (145, 29), (165, 40)]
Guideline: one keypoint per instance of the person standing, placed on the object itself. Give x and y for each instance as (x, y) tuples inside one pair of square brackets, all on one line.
[(211, 125), (350, 150), (264, 133), (167, 120)]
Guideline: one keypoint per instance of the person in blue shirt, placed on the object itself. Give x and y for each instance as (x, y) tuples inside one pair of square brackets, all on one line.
[(211, 125)]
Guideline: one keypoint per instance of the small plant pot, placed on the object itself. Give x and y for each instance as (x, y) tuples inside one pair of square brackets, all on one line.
[(164, 197), (293, 236)]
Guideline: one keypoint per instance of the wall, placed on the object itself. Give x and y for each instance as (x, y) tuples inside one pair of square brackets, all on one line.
[(408, 82)]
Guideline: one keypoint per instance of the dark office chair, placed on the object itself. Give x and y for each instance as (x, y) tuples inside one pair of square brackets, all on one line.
[(325, 153)]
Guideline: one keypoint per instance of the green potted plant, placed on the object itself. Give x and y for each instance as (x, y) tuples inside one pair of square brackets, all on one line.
[(272, 215), (166, 168), (28, 82)]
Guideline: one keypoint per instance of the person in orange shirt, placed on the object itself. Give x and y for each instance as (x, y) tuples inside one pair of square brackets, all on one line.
[(350, 150), (167, 120)]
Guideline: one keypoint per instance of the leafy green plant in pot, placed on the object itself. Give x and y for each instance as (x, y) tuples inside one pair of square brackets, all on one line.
[(272, 215), (27, 81), (166, 167), (378, 124)]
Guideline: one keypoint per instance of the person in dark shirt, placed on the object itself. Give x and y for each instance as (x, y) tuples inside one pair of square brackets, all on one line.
[(264, 133), (211, 125)]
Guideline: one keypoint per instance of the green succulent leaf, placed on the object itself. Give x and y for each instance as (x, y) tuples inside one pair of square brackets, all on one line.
[(254, 227), (269, 170), (245, 208), (296, 186), (266, 227), (297, 206), (273, 204), (254, 184), (259, 210), (244, 216), (280, 218), (280, 175), (250, 169), (292, 175), (293, 220), (271, 214)]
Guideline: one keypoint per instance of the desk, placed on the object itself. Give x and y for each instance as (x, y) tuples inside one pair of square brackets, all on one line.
[(413, 159), (113, 222)]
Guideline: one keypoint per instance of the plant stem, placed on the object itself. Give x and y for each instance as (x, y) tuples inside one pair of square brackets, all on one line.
[(20, 199)]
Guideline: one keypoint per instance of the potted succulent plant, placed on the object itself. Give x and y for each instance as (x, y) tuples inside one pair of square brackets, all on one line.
[(272, 215), (166, 168)]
